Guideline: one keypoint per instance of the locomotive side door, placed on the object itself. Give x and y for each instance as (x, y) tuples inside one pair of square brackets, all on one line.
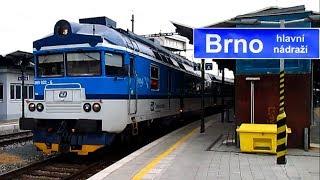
[(169, 88), (133, 97)]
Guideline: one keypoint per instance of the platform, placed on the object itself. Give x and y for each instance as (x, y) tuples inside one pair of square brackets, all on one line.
[(187, 154), (9, 126)]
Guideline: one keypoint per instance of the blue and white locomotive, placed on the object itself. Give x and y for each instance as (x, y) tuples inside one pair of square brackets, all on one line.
[(93, 80)]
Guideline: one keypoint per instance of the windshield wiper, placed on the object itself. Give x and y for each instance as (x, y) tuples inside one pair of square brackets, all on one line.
[(91, 57)]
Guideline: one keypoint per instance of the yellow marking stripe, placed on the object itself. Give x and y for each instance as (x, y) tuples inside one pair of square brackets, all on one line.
[(281, 153), (281, 91), (282, 75), (281, 141), (281, 116), (157, 159), (43, 147), (281, 86), (281, 104), (281, 129), (281, 109), (281, 81), (281, 98)]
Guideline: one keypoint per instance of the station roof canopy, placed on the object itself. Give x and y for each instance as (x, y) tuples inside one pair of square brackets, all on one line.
[(250, 19), (15, 59), (187, 31)]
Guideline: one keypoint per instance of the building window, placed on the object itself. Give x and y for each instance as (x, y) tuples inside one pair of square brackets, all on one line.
[(1, 92), (154, 77), (30, 92), (12, 89), (25, 92), (208, 66), (197, 67), (16, 91)]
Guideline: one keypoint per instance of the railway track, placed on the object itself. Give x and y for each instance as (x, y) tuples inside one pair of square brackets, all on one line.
[(17, 137), (70, 166), (66, 166)]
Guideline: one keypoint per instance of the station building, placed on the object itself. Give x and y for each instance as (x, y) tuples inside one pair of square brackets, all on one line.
[(10, 84), (299, 79)]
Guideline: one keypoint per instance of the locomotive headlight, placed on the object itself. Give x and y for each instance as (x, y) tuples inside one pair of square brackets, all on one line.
[(96, 107), (40, 107), (32, 107), (87, 107)]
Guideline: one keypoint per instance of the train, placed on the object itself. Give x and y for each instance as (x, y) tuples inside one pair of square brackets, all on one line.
[(94, 81)]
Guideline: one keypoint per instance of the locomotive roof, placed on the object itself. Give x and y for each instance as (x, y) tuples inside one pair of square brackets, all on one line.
[(77, 33)]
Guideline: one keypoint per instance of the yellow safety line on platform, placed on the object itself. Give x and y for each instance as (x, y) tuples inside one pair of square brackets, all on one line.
[(157, 159)]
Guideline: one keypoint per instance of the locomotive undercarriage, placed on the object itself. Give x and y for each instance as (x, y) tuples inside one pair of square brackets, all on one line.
[(52, 135)]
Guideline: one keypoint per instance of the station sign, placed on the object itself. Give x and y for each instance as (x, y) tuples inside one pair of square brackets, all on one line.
[(256, 43), (26, 78)]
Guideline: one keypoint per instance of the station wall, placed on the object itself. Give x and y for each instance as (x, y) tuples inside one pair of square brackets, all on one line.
[(10, 108), (297, 102), (297, 86)]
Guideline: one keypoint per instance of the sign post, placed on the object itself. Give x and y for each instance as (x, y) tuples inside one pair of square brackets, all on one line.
[(281, 118), (202, 128)]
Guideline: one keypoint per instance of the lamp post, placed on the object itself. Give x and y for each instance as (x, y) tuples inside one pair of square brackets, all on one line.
[(22, 68), (202, 128)]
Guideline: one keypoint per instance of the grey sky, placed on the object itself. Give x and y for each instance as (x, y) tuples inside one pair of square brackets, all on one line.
[(22, 22)]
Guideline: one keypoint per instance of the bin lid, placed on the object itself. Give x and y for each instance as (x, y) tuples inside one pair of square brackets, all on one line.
[(261, 128)]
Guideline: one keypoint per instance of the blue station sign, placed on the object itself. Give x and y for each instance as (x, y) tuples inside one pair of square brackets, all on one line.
[(269, 43)]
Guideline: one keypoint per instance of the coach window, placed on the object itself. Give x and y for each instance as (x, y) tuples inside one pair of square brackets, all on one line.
[(154, 77), (50, 65), (1, 92), (115, 65), (83, 64)]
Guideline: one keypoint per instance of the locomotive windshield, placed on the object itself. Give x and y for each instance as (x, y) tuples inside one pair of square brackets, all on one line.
[(50, 65), (83, 64), (78, 64)]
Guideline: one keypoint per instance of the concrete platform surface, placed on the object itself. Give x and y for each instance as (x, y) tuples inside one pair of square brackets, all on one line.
[(9, 126), (187, 154)]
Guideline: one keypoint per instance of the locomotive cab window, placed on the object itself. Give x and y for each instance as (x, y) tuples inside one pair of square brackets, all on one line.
[(115, 65), (83, 64), (50, 65), (154, 77)]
